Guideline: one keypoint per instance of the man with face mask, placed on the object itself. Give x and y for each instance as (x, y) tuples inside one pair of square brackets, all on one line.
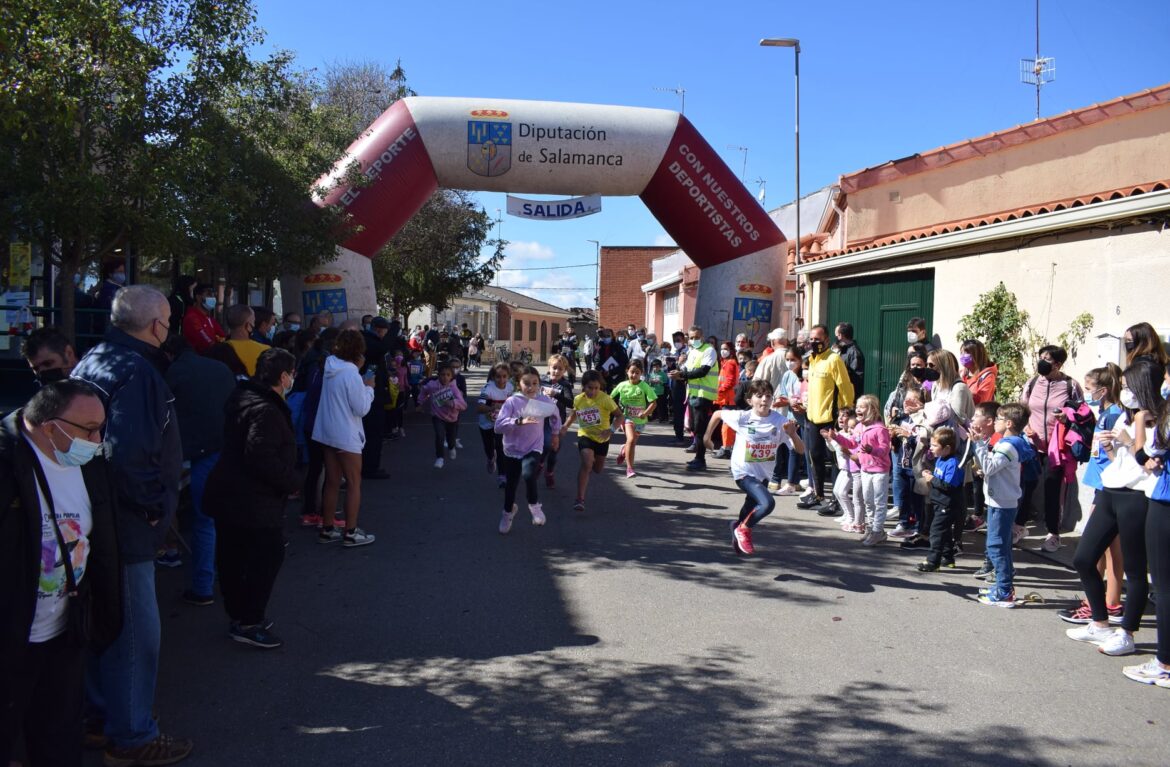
[(829, 389), (49, 354), (126, 369), (916, 334), (851, 355), (57, 494), (678, 386), (1048, 392), (610, 359), (200, 329), (700, 372)]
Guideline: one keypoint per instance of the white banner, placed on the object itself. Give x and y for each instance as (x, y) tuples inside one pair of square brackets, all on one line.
[(554, 210)]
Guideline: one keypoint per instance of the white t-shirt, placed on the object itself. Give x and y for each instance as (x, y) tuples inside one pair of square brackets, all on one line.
[(756, 442), (75, 517)]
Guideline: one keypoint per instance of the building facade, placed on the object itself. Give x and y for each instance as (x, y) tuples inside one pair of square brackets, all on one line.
[(624, 269)]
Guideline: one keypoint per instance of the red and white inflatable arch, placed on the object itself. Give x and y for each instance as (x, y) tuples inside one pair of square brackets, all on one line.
[(537, 147)]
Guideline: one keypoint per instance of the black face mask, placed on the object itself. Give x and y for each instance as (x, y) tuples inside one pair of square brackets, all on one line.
[(924, 374), (1043, 367), (1129, 345), (816, 347), (52, 375)]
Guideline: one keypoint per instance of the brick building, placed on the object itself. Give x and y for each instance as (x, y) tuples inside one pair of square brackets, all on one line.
[(624, 270), (526, 323)]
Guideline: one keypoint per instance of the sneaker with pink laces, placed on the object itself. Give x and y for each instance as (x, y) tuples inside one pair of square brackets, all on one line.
[(743, 539)]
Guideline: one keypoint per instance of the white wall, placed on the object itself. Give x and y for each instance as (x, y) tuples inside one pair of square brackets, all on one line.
[(349, 272), (719, 287)]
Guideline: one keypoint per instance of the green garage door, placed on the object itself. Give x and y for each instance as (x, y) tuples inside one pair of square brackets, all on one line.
[(879, 308)]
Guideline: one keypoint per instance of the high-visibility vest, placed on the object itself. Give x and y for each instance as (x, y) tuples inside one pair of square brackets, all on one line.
[(707, 386)]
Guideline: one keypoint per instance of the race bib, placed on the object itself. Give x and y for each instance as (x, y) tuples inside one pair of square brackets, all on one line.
[(759, 452), (549, 392), (635, 412), (590, 416), (445, 397)]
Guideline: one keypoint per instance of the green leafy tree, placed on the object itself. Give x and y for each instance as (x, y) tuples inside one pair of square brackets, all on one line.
[(1002, 326)]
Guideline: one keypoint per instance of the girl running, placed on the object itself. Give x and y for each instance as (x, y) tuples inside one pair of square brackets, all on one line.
[(495, 392), (445, 403), (557, 387), (522, 423), (760, 433), (638, 402), (594, 409)]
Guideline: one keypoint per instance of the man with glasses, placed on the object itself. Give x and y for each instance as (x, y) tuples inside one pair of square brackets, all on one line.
[(126, 369)]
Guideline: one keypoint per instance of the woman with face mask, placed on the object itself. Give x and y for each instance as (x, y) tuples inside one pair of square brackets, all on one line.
[(725, 394), (1143, 342), (978, 372)]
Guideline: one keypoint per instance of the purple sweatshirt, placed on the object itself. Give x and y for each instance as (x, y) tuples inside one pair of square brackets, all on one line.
[(443, 402), (519, 441), (877, 461)]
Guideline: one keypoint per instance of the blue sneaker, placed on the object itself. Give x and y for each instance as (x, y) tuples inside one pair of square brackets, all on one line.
[(257, 636), (170, 558), (990, 598)]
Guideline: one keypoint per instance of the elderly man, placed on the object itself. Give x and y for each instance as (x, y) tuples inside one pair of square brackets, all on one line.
[(56, 506), (50, 355), (142, 433), (772, 365)]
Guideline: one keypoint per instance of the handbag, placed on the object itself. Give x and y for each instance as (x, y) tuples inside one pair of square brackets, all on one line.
[(78, 607)]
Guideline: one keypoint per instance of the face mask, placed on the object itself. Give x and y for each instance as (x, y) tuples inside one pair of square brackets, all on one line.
[(294, 326), (911, 337), (741, 347), (1129, 400), (118, 277), (1129, 345), (1165, 390), (605, 339), (724, 353), (52, 375), (793, 365), (81, 451), (209, 303), (366, 327), (924, 374), (966, 360), (816, 347), (696, 343), (284, 390), (271, 333), (641, 336), (1043, 367)]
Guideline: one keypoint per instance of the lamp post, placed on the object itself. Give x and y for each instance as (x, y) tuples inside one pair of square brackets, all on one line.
[(794, 44), (597, 286)]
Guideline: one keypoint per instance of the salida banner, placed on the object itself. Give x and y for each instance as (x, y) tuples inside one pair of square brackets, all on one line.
[(554, 148), (554, 210)]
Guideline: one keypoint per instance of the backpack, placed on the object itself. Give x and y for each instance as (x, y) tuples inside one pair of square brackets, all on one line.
[(1030, 465)]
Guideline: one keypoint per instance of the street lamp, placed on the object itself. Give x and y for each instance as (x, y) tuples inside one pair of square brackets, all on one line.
[(794, 44), (597, 287)]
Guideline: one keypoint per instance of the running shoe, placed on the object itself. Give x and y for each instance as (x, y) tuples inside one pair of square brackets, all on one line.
[(1091, 633), (329, 535), (915, 542), (991, 599), (1121, 643), (743, 539), (808, 501), (630, 473), (458, 443), (987, 577), (691, 448), (1051, 543), (773, 487), (451, 454), (310, 520), (199, 600), (1083, 614), (974, 523), (164, 749), (948, 563), (257, 636), (579, 504), (789, 490), (1019, 533), (438, 463), (697, 465), (902, 531), (550, 479), (506, 520), (537, 514), (170, 558), (1150, 672), (926, 566), (984, 570), (620, 457), (874, 538), (358, 537)]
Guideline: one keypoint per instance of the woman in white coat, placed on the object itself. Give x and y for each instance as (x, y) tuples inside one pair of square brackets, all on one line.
[(345, 400)]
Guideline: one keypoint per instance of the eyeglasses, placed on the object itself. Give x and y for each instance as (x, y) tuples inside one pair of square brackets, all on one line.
[(88, 432)]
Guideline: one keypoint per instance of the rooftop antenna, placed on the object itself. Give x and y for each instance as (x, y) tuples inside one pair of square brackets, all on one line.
[(744, 149), (763, 193), (681, 92), (1038, 71)]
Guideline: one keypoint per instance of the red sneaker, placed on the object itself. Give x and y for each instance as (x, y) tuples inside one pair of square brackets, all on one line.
[(743, 539), (310, 520)]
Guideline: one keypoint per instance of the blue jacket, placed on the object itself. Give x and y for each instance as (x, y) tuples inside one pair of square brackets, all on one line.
[(201, 387), (142, 434)]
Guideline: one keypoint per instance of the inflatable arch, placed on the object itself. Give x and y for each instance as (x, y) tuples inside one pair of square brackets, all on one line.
[(538, 147)]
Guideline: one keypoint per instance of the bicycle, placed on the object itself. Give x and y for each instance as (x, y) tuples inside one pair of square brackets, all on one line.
[(503, 354)]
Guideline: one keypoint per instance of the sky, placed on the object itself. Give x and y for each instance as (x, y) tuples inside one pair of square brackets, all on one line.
[(878, 81)]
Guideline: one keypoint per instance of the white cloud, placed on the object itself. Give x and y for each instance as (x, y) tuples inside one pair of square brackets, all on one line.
[(664, 239), (521, 250)]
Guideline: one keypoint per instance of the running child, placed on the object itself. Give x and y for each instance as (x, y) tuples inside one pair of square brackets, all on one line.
[(396, 396), (416, 370), (594, 409), (760, 431), (946, 497), (522, 423), (660, 384), (558, 387), (445, 402), (1001, 475), (870, 445), (495, 392), (637, 401)]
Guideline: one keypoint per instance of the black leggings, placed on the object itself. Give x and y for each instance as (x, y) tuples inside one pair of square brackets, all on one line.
[(818, 454), (311, 493), (445, 431), (493, 444), (1158, 553), (1119, 514), (515, 468)]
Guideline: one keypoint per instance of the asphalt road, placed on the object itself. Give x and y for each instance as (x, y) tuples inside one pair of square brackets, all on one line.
[(632, 635)]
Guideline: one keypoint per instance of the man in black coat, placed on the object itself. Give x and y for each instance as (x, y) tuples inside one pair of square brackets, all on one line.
[(42, 655), (610, 359)]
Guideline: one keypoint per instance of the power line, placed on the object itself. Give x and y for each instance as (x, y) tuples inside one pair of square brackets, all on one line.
[(525, 287), (591, 264)]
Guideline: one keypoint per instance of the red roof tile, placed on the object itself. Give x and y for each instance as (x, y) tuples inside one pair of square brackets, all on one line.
[(1005, 139)]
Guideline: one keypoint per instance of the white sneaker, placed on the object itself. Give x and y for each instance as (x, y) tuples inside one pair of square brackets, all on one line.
[(901, 531), (458, 443), (804, 483), (1051, 543), (1019, 533), (1091, 633), (788, 490), (506, 520), (358, 537), (438, 463), (773, 487), (451, 454), (1121, 643), (537, 513), (1150, 672), (874, 538)]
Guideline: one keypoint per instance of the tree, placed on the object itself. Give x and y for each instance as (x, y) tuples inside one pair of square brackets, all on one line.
[(1002, 325)]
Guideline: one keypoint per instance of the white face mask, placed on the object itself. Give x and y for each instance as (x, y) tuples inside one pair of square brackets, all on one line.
[(696, 343), (724, 353), (793, 365), (911, 337), (81, 451), (1129, 400)]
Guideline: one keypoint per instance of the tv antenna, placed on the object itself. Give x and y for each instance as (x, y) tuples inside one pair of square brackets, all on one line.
[(681, 92), (763, 193), (1038, 71), (744, 149)]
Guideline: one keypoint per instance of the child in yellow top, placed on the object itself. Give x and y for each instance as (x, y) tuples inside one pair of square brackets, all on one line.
[(593, 410)]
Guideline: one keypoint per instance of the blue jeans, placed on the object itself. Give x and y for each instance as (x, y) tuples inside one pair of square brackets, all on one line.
[(203, 529), (120, 681), (759, 502), (999, 548), (911, 505)]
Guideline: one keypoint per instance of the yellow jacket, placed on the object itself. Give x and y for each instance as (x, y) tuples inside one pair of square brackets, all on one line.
[(827, 377)]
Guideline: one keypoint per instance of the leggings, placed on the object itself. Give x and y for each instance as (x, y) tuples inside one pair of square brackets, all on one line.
[(445, 432), (1158, 553), (1120, 513), (515, 468), (550, 456), (493, 443), (311, 493), (759, 502)]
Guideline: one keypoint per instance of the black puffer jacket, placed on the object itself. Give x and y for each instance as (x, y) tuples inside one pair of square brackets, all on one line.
[(256, 470)]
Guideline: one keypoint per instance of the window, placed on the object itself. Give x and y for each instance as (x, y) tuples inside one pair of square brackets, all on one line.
[(670, 304), (518, 331), (556, 330), (532, 330)]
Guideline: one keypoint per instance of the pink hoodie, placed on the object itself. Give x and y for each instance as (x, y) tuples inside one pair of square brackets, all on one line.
[(877, 437), (444, 402)]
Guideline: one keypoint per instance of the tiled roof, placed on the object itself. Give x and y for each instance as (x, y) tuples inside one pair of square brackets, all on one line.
[(1005, 139), (521, 301), (994, 218)]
